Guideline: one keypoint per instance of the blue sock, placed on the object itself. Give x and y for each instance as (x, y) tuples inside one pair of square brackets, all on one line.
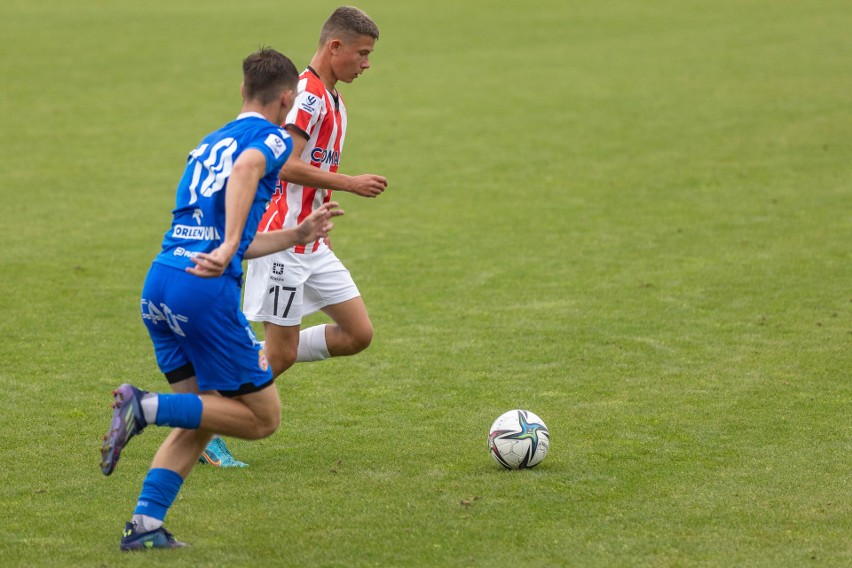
[(179, 410), (159, 491)]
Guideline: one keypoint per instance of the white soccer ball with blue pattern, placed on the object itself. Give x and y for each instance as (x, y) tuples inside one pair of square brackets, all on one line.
[(518, 439)]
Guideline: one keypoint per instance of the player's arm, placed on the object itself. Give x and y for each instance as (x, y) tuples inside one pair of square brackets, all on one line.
[(247, 172), (301, 173), (316, 226)]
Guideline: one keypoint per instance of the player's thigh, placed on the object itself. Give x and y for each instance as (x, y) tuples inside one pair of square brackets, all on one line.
[(189, 385), (265, 404), (350, 315)]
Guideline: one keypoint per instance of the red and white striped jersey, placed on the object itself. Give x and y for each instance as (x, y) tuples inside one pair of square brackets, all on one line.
[(322, 117)]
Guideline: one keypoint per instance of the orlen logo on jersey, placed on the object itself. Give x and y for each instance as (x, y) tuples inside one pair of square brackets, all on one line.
[(323, 156), (196, 233)]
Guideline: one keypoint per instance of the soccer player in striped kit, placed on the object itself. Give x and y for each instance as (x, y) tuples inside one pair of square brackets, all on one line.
[(283, 287)]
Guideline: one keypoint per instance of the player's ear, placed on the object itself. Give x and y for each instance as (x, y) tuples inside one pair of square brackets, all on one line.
[(243, 90), (334, 46), (287, 98)]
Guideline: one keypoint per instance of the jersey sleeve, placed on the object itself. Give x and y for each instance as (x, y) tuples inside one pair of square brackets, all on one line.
[(276, 145), (306, 113)]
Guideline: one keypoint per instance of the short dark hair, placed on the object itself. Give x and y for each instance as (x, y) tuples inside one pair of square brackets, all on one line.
[(266, 73), (347, 22)]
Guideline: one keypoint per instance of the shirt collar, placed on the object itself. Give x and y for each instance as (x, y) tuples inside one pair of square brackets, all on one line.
[(248, 114)]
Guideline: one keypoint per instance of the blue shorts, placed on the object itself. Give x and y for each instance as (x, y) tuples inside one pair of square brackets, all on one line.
[(196, 324)]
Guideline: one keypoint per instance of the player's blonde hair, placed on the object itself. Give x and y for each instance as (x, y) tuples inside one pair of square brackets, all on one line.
[(346, 23)]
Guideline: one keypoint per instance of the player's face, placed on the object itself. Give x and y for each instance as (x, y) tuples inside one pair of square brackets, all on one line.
[(352, 58)]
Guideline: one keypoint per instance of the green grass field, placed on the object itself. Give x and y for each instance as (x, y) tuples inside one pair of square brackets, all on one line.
[(632, 218)]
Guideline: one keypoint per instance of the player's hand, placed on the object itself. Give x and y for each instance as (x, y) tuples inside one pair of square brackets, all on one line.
[(318, 224), (212, 264), (368, 185)]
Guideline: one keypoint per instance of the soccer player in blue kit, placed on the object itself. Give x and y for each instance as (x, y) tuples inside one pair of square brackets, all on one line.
[(191, 299)]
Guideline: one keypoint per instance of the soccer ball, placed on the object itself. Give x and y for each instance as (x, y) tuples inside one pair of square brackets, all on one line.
[(518, 439)]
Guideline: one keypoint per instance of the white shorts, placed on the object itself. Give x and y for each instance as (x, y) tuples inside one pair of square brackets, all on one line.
[(284, 287)]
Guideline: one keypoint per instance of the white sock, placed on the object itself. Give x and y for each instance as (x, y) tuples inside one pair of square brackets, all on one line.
[(312, 345), (144, 523), (150, 403)]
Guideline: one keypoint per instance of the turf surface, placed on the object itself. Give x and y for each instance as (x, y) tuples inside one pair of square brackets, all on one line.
[(632, 218)]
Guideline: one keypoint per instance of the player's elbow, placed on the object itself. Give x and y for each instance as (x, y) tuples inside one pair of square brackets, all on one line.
[(286, 173)]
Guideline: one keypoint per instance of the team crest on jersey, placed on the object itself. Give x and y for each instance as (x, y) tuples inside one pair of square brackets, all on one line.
[(276, 144), (323, 156), (262, 363)]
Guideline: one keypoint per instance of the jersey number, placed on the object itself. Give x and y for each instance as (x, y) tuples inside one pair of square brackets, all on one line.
[(277, 300), (218, 166)]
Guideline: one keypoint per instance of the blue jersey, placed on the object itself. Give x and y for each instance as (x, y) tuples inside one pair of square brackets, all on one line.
[(199, 215)]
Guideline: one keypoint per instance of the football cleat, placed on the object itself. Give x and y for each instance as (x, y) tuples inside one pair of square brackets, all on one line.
[(160, 538), (127, 421), (217, 454)]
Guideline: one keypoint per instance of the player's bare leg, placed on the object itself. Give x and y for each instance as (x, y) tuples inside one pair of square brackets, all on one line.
[(181, 449), (250, 416), (352, 331), (280, 346), (195, 418), (216, 453)]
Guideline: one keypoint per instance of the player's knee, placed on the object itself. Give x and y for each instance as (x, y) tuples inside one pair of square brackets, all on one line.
[(267, 426), (266, 423), (361, 338)]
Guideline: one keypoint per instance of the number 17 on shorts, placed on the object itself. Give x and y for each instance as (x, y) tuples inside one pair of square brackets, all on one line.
[(280, 300)]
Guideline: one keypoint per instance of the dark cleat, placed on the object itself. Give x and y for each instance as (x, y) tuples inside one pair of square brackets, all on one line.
[(127, 421), (160, 538)]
